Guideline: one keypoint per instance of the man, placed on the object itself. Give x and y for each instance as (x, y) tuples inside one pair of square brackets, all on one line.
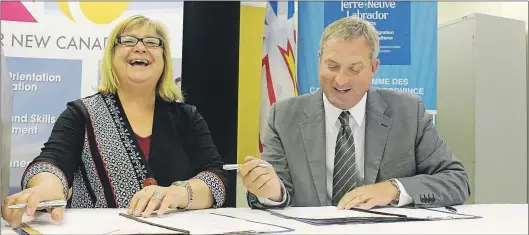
[(350, 145)]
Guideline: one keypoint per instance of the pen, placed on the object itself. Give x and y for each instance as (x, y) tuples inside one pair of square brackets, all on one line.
[(46, 204), (230, 167)]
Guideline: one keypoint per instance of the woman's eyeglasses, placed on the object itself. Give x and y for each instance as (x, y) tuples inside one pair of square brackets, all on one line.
[(132, 41)]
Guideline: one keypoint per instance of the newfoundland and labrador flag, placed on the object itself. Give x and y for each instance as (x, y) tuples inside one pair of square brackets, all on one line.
[(278, 78)]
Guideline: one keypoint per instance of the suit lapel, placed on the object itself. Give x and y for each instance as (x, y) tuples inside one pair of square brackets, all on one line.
[(312, 130), (378, 126)]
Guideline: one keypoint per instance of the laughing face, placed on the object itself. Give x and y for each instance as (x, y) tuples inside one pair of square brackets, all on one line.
[(138, 57), (346, 70)]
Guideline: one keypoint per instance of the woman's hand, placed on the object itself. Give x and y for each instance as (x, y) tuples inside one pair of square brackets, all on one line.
[(31, 196), (155, 197)]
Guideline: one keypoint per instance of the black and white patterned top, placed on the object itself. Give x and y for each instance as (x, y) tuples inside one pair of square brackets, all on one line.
[(92, 150)]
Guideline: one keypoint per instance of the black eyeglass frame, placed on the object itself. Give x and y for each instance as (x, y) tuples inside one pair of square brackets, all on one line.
[(119, 41)]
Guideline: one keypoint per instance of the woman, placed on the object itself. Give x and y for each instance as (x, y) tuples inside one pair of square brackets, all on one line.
[(133, 144)]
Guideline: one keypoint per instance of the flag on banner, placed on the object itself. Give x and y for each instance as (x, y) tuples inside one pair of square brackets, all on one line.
[(278, 79)]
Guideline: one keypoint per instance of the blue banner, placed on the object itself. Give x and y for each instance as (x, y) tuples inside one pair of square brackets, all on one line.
[(408, 43), (41, 88)]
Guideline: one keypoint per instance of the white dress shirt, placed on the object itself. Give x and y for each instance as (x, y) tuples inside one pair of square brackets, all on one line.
[(332, 127)]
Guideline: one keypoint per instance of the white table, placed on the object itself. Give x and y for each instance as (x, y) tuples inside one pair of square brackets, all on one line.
[(497, 219)]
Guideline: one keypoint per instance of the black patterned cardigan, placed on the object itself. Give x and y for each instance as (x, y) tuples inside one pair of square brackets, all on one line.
[(92, 150)]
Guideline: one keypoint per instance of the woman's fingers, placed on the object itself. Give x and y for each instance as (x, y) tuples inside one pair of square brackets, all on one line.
[(154, 203), (134, 202), (14, 216), (57, 214), (143, 200), (33, 200), (166, 202)]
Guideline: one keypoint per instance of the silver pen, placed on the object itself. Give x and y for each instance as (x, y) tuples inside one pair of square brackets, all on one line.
[(231, 167), (44, 204)]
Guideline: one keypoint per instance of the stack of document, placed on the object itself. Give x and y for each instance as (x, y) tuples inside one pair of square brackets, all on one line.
[(332, 215)]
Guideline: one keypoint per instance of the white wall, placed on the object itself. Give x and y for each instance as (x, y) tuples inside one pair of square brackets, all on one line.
[(448, 11)]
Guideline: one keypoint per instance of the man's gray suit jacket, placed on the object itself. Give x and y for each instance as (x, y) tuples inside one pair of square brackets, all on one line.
[(401, 142)]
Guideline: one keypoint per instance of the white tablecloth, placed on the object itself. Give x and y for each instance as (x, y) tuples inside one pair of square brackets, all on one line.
[(497, 219)]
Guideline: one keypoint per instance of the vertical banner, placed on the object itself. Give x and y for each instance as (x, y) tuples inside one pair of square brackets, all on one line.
[(53, 51), (6, 104), (251, 30), (408, 43), (252, 17)]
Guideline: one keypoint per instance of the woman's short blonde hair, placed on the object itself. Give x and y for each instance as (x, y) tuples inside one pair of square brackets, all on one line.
[(166, 88)]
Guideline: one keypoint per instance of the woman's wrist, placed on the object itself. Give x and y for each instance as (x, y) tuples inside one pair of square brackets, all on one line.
[(49, 183), (182, 194)]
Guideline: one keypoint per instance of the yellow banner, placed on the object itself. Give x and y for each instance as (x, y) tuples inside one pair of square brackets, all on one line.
[(250, 56)]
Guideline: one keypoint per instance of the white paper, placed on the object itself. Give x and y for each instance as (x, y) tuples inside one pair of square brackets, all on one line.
[(207, 223), (328, 212), (108, 221), (422, 213), (75, 221), (85, 221), (5, 228), (331, 212)]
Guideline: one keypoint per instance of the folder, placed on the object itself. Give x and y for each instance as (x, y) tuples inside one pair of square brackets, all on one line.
[(331, 215), (208, 223)]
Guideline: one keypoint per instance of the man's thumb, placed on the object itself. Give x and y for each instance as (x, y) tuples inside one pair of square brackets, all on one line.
[(249, 158)]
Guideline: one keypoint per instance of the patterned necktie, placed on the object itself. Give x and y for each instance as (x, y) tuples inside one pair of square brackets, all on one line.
[(343, 178)]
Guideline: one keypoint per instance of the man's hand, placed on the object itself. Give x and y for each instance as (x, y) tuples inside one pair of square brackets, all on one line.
[(261, 181), (369, 196)]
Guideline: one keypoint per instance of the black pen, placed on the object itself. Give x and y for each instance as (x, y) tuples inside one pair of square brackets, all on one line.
[(451, 209)]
